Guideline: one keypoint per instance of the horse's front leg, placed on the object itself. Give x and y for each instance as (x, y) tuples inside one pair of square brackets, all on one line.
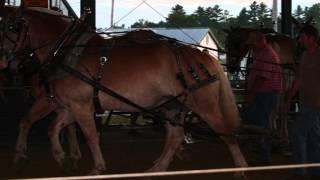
[(174, 139), (62, 120), (74, 149), (82, 114), (40, 108)]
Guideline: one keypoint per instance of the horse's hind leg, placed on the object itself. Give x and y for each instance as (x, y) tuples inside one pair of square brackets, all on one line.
[(237, 155), (39, 110), (215, 121), (174, 139)]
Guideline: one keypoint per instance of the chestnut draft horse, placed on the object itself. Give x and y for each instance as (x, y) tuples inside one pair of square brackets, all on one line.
[(237, 48), (42, 106), (141, 67)]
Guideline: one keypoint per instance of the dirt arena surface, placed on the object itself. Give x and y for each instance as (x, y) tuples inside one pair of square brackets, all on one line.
[(133, 153)]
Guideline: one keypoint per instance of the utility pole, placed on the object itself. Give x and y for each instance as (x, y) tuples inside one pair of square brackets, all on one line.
[(275, 15), (112, 12), (91, 4), (286, 23)]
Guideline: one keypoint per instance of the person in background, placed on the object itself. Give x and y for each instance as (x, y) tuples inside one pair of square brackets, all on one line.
[(305, 137), (264, 86)]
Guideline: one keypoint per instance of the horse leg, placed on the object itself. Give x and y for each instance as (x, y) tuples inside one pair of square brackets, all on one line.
[(62, 120), (74, 149), (174, 139), (39, 110), (237, 155), (216, 121), (83, 114)]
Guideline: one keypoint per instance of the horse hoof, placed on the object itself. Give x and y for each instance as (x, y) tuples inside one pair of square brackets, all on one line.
[(95, 172), (20, 163)]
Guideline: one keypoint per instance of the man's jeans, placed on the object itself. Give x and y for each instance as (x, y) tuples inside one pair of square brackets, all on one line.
[(306, 139), (258, 113)]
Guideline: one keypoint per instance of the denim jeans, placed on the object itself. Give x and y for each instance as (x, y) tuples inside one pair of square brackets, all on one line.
[(258, 113), (306, 139)]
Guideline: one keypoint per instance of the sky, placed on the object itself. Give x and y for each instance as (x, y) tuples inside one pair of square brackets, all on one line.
[(129, 11)]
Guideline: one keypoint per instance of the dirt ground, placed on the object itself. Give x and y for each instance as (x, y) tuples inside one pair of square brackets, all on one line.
[(132, 153)]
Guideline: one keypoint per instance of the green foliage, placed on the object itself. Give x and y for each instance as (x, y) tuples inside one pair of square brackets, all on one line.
[(314, 12), (299, 14), (216, 18), (179, 18)]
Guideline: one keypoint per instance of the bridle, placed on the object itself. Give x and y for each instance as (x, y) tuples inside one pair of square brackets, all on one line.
[(11, 37)]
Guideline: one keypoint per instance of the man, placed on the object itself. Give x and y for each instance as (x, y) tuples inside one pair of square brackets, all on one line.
[(264, 86), (306, 130)]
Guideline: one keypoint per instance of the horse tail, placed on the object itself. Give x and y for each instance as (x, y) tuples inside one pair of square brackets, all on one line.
[(227, 101)]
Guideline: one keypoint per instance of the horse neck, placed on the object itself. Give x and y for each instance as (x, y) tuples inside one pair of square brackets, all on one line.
[(44, 37)]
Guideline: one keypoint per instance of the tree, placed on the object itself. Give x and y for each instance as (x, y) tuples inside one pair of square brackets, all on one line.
[(243, 18), (253, 13), (147, 24), (215, 13), (314, 12), (201, 17), (299, 14), (178, 17), (258, 14), (264, 15)]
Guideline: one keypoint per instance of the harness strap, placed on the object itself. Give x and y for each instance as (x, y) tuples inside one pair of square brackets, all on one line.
[(96, 101)]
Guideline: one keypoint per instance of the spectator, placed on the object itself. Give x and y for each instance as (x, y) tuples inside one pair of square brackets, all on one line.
[(306, 131), (264, 86)]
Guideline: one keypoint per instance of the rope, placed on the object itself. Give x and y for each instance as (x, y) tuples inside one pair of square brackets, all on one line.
[(184, 172)]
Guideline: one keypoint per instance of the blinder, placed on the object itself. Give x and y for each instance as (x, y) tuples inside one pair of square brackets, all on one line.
[(30, 65), (9, 26)]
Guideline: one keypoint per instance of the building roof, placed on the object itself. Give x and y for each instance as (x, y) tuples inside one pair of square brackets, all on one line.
[(188, 35)]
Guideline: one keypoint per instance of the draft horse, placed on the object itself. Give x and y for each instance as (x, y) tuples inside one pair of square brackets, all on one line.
[(237, 50), (140, 69), (42, 106)]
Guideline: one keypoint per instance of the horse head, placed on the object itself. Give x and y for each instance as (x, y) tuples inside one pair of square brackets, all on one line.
[(236, 47), (300, 24), (9, 30), (20, 28)]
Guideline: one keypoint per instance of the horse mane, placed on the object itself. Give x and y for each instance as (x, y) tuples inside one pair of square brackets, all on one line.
[(45, 11)]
